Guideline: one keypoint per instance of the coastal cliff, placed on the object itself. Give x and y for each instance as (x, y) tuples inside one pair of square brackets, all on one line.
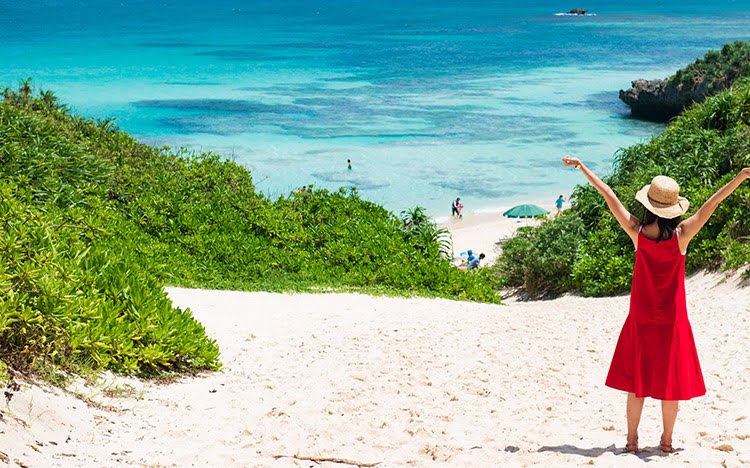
[(663, 99)]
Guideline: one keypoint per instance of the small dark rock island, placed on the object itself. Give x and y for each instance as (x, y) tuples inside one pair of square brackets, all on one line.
[(577, 11), (661, 100)]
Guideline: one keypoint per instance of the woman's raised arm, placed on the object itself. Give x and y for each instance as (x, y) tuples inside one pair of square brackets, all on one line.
[(628, 222), (690, 227)]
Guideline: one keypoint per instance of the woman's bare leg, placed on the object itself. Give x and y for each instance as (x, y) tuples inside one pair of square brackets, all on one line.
[(633, 412), (669, 410)]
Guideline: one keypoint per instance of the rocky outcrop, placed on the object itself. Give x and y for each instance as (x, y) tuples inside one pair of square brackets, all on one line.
[(716, 71), (577, 11), (659, 100)]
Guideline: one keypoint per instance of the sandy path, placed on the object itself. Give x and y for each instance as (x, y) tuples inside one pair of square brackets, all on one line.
[(409, 382)]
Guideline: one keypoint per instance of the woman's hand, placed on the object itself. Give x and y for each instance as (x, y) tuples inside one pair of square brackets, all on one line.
[(628, 222), (693, 224), (568, 161)]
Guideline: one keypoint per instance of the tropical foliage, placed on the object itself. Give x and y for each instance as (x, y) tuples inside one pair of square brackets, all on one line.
[(717, 66), (586, 249), (95, 223)]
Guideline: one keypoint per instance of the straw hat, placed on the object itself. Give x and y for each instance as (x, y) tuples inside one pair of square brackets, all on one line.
[(661, 197)]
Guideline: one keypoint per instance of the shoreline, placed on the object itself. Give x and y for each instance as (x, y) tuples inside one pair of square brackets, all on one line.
[(483, 231)]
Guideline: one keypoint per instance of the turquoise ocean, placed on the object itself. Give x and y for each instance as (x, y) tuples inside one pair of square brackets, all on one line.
[(429, 100)]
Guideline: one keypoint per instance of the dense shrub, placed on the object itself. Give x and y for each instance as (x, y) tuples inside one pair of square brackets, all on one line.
[(209, 228), (603, 263), (539, 258), (703, 149), (717, 66), (95, 223), (72, 295), (71, 291)]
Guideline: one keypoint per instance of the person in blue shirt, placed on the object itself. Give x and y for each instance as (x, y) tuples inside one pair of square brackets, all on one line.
[(559, 202), (474, 262)]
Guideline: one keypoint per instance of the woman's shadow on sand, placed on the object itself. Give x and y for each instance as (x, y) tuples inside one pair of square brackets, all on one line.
[(646, 454)]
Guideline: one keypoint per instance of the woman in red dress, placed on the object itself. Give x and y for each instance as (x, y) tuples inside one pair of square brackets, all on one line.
[(655, 354)]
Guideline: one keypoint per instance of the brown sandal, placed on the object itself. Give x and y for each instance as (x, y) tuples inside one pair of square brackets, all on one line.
[(631, 447), (665, 447)]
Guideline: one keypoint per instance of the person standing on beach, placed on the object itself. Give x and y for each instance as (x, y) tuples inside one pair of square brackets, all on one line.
[(349, 163), (559, 202), (655, 354), (455, 210)]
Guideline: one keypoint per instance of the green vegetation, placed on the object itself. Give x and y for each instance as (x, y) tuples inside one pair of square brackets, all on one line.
[(586, 249), (716, 67), (72, 293), (95, 223)]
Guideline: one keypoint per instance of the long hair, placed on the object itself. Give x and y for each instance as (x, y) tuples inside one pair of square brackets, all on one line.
[(666, 225)]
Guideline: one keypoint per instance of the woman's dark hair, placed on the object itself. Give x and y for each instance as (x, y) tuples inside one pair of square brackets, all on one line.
[(666, 225)]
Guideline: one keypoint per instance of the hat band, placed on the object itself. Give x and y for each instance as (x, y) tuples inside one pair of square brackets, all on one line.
[(659, 204)]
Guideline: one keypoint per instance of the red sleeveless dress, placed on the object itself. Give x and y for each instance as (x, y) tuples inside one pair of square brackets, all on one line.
[(655, 354)]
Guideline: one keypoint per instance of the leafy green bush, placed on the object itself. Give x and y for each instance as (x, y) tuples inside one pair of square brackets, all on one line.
[(703, 149), (72, 295), (724, 66), (211, 229), (603, 263), (539, 258)]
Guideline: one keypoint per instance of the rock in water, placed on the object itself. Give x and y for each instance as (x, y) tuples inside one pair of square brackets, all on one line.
[(715, 72), (657, 100)]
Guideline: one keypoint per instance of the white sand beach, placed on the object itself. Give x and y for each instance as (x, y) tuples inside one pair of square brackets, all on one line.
[(401, 381)]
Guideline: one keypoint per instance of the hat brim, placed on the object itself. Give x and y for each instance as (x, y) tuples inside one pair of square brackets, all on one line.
[(666, 211)]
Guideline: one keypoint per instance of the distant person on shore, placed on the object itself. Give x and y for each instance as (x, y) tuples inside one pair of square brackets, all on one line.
[(456, 208), (474, 262), (655, 355), (559, 202), (349, 163)]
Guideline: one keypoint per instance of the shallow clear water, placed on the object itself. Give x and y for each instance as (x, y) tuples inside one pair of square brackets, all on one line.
[(430, 100)]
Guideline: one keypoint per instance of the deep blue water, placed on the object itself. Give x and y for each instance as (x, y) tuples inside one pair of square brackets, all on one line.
[(430, 100)]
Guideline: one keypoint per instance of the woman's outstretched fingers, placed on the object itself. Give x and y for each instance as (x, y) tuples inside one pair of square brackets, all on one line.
[(568, 161)]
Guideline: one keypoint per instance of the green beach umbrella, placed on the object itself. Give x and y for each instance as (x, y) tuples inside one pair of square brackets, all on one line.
[(525, 211)]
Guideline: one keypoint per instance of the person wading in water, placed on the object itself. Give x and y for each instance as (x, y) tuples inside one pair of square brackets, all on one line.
[(456, 208)]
